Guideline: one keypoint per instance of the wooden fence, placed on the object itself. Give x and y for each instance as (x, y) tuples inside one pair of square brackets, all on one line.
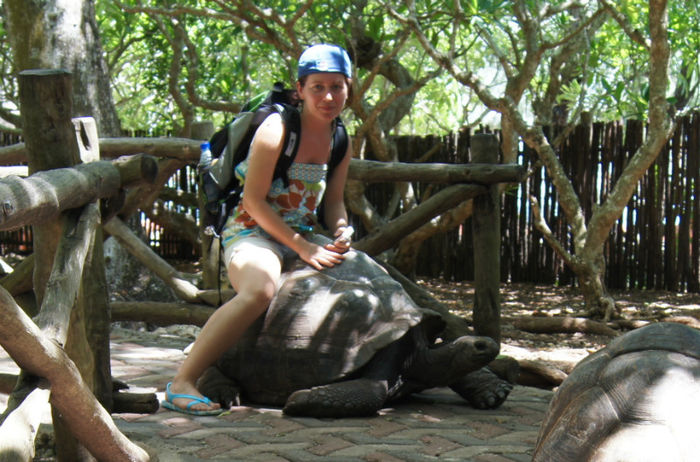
[(656, 244)]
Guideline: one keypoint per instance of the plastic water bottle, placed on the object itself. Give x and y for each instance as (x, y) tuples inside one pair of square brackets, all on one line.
[(204, 157)]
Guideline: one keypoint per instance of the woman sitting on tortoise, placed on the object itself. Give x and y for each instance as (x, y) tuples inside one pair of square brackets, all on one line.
[(261, 232)]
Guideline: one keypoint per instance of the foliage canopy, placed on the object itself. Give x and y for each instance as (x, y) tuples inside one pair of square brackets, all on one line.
[(199, 59)]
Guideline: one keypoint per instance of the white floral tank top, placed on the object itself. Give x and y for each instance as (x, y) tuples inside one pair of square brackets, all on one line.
[(296, 204)]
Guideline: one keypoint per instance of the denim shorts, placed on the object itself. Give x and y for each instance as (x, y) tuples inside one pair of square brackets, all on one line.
[(283, 252)]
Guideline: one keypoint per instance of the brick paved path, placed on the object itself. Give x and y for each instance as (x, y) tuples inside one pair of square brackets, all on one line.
[(435, 425)]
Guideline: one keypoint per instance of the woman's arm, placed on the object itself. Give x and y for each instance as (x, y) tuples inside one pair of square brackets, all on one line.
[(264, 152)]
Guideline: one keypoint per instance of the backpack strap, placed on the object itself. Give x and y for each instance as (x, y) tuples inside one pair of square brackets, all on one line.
[(340, 147), (292, 124)]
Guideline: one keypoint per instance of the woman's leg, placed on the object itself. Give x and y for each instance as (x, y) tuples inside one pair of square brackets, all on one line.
[(254, 273)]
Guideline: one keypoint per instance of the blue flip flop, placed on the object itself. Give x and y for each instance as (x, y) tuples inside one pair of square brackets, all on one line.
[(168, 403)]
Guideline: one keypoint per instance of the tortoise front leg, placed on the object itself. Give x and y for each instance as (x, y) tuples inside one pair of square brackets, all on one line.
[(219, 388), (483, 388), (351, 398)]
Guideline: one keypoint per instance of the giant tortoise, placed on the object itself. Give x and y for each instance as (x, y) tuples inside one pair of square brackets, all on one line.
[(343, 342), (637, 399)]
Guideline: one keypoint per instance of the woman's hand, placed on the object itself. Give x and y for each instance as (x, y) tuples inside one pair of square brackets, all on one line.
[(343, 239), (321, 256)]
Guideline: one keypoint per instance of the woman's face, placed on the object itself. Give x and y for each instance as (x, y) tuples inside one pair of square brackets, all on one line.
[(324, 94)]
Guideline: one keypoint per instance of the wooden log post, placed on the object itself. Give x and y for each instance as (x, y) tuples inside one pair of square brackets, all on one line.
[(26, 402), (86, 418), (46, 107), (59, 298), (70, 262), (91, 312), (486, 228), (45, 195)]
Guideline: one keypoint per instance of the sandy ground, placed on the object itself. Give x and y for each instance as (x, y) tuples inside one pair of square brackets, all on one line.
[(561, 350)]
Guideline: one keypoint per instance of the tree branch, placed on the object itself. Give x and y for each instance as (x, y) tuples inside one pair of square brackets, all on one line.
[(634, 34), (660, 129), (543, 227)]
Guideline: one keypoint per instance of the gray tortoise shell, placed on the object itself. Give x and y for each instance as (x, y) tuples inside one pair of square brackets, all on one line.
[(637, 398), (321, 327)]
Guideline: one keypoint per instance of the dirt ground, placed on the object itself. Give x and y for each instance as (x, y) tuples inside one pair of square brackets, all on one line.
[(561, 350)]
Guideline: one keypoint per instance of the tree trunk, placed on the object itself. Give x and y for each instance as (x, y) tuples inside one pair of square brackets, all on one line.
[(591, 278), (64, 35), (586, 240)]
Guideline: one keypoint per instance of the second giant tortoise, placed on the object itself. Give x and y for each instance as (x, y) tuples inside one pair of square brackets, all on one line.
[(343, 342), (637, 399)]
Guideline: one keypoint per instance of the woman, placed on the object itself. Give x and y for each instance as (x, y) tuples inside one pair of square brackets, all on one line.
[(272, 221)]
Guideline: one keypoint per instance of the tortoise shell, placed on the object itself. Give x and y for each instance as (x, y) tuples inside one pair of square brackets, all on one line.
[(636, 399), (321, 327)]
